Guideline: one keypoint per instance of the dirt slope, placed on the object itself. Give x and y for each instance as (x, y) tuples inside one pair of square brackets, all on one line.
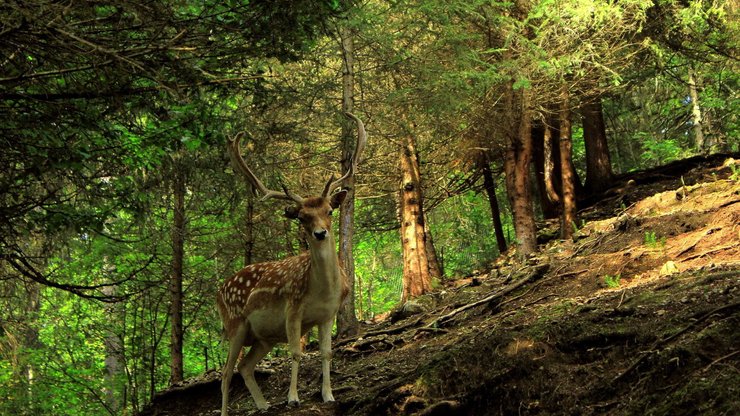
[(639, 316)]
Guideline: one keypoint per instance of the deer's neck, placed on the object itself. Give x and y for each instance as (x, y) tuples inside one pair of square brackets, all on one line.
[(325, 276)]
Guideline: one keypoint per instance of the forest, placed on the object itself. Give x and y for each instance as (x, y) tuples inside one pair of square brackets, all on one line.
[(532, 170)]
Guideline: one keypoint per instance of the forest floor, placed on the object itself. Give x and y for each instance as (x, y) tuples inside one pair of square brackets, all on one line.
[(639, 316)]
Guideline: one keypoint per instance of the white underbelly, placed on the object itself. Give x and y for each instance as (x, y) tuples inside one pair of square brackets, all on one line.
[(320, 312), (268, 324)]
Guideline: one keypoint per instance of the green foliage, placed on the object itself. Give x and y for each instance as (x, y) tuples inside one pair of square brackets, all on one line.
[(463, 233), (735, 168), (579, 150), (612, 282), (653, 241), (378, 273), (658, 152)]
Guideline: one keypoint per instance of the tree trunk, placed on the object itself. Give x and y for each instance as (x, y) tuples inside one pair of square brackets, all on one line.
[(516, 165), (31, 340), (599, 175), (696, 115), (347, 323), (114, 359), (435, 267), (249, 231), (178, 254), (293, 235), (490, 186), (553, 184), (416, 277), (568, 218), (549, 206)]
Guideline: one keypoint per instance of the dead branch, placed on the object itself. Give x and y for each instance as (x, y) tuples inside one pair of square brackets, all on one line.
[(388, 331), (573, 273), (714, 250), (660, 343), (728, 203), (724, 357), (537, 273), (691, 246), (432, 330)]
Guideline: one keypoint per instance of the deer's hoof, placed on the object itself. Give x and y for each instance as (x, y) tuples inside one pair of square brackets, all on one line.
[(294, 403)]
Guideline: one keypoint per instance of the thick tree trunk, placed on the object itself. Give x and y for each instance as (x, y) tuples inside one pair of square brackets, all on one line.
[(178, 255), (347, 323), (518, 158), (568, 218), (696, 114), (599, 175), (416, 277), (490, 186)]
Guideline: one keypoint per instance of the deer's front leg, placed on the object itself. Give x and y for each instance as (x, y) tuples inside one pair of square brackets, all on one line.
[(293, 330), (325, 349)]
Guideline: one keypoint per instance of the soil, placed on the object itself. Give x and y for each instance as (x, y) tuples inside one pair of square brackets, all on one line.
[(638, 316)]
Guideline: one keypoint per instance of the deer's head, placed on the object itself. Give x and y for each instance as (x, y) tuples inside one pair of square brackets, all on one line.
[(314, 213)]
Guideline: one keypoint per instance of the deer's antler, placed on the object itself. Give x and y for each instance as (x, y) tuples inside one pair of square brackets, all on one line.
[(239, 164), (332, 184)]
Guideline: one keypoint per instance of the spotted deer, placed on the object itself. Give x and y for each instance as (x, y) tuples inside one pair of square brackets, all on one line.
[(268, 303)]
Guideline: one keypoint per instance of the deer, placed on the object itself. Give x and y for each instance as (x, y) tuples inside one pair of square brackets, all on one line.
[(280, 301)]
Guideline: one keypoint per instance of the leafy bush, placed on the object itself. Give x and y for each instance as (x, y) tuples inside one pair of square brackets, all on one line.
[(657, 152)]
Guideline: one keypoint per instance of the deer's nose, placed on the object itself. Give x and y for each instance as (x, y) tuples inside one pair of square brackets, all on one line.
[(320, 235)]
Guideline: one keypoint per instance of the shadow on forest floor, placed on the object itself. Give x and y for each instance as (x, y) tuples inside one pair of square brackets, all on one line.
[(639, 315)]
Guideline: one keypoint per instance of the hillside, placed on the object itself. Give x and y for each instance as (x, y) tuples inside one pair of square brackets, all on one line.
[(639, 315)]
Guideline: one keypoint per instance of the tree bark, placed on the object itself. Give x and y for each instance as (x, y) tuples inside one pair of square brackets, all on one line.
[(696, 114), (347, 323), (599, 174), (31, 340), (490, 186), (518, 158), (114, 358), (553, 184), (249, 231), (416, 277), (550, 207), (293, 237), (568, 217), (435, 267), (178, 254)]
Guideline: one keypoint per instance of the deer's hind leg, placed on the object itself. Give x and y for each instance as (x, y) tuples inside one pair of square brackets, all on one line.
[(236, 342), (293, 331), (257, 352)]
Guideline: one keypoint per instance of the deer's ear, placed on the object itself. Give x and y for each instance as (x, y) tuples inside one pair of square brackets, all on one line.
[(291, 212), (338, 198)]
